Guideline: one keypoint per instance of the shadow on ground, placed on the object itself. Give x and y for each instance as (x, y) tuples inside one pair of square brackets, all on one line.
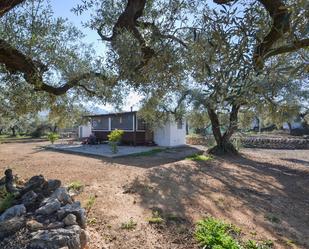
[(271, 198)]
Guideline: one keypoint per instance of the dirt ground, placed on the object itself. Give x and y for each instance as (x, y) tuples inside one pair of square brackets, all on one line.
[(264, 192)]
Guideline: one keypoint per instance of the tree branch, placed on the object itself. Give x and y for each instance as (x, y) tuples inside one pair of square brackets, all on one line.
[(7, 5), (32, 71), (280, 15), (296, 45)]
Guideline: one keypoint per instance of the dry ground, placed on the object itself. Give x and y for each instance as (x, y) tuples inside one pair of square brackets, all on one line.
[(264, 192)]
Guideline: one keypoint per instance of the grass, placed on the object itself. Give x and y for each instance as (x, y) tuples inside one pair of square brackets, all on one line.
[(150, 152), (76, 185), (90, 202), (9, 138), (156, 218), (214, 233), (130, 225), (198, 157)]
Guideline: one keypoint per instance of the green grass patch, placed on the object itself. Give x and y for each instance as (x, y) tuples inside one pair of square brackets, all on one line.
[(90, 202), (214, 233), (156, 218), (76, 185), (198, 157), (130, 225)]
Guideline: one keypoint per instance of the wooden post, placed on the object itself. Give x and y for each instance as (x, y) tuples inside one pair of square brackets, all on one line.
[(134, 128)]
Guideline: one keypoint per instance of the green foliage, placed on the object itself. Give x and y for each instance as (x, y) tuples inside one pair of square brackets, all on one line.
[(130, 225), (90, 202), (114, 138), (76, 186), (52, 137), (213, 233), (6, 201), (252, 244), (156, 218), (198, 157)]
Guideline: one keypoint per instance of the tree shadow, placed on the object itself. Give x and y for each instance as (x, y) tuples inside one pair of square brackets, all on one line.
[(299, 161), (167, 156), (237, 189)]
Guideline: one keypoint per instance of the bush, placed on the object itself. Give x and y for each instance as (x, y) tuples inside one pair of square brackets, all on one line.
[(114, 138), (52, 137), (213, 233)]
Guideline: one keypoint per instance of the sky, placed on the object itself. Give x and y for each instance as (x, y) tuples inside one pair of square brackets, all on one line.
[(63, 9)]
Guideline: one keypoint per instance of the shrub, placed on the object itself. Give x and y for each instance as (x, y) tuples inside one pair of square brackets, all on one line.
[(213, 233), (52, 137), (114, 138)]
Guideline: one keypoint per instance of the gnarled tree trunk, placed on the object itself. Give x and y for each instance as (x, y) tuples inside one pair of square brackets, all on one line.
[(223, 143)]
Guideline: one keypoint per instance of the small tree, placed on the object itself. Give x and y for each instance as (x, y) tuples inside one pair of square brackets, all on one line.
[(114, 138), (52, 137)]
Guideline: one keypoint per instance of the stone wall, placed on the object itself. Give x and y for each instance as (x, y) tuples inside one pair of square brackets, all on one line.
[(274, 143), (43, 215), (257, 142)]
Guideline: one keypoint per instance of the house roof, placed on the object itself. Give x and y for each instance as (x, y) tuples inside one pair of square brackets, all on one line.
[(110, 114)]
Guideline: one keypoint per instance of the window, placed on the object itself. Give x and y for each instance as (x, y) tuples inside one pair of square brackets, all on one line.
[(100, 123), (179, 125), (141, 125)]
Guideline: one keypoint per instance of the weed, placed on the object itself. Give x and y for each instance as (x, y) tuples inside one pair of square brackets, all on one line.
[(198, 157), (92, 221), (76, 186), (252, 244), (130, 225), (156, 218), (90, 202), (213, 233)]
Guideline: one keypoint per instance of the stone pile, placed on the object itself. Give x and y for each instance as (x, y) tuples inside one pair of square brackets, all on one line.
[(43, 216), (275, 143)]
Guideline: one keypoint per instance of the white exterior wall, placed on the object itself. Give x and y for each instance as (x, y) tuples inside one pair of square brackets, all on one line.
[(169, 135), (84, 131)]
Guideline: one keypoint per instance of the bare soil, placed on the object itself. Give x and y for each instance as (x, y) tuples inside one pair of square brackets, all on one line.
[(264, 192)]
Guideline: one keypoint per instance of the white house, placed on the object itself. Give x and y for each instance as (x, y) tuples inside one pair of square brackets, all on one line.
[(171, 134)]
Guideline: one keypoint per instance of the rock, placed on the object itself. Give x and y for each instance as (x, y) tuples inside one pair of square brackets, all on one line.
[(54, 225), (17, 210), (70, 220), (33, 225), (75, 209), (29, 199), (62, 195), (51, 186), (51, 206), (9, 227), (36, 184), (56, 238)]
